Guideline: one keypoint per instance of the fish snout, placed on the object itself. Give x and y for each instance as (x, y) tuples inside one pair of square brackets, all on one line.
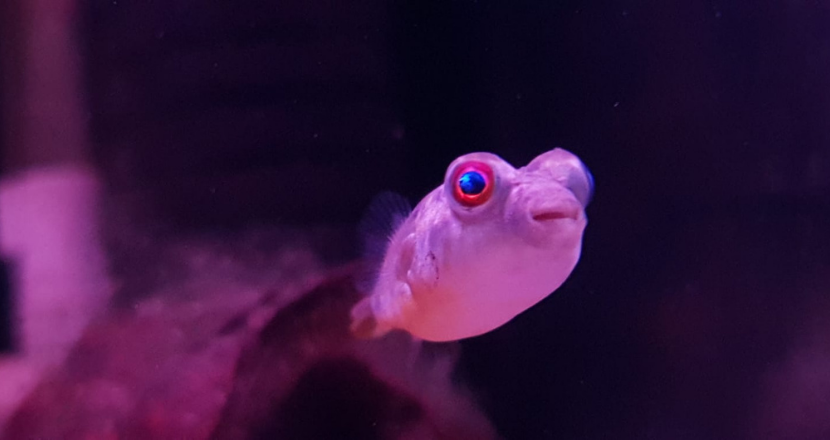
[(567, 169)]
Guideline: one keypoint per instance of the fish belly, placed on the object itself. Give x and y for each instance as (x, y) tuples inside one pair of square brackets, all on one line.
[(469, 300)]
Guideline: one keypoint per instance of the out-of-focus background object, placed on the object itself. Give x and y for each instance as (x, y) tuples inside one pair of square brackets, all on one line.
[(49, 194), (169, 133)]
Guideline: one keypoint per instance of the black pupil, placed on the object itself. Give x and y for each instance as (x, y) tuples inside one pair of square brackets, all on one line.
[(472, 183)]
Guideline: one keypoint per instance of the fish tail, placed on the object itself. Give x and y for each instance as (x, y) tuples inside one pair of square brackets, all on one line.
[(365, 324)]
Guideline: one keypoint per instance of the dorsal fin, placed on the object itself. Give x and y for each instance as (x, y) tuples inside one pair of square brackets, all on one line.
[(385, 214)]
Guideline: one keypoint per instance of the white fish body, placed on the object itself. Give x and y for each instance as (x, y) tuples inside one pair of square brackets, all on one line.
[(488, 244)]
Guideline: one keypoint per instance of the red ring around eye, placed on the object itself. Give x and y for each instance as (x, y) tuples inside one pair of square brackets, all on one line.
[(480, 173)]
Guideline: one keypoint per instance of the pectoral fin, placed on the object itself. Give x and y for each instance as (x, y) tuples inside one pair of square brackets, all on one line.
[(376, 315), (387, 212), (364, 324)]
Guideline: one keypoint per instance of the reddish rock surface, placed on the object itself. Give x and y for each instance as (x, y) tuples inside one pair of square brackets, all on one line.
[(226, 352), (306, 377)]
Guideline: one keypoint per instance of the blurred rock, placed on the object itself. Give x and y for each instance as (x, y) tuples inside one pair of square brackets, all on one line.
[(307, 378), (795, 393)]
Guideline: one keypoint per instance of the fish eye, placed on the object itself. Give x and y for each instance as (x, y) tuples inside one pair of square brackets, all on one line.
[(473, 183)]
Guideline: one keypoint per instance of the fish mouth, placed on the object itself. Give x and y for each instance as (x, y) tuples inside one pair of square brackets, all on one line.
[(555, 214)]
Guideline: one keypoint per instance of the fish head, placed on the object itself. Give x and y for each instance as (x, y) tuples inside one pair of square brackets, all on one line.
[(542, 204)]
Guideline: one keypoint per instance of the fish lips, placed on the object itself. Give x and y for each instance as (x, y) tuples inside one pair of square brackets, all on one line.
[(553, 223), (552, 202), (556, 213)]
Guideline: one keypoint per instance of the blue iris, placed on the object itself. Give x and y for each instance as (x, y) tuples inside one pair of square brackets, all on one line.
[(472, 183)]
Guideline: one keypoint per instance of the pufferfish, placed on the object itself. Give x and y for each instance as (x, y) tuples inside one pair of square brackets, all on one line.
[(486, 245)]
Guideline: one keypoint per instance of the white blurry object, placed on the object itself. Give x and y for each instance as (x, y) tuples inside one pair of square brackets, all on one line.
[(49, 234)]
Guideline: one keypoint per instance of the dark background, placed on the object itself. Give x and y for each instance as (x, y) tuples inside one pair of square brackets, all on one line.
[(6, 337), (698, 309)]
